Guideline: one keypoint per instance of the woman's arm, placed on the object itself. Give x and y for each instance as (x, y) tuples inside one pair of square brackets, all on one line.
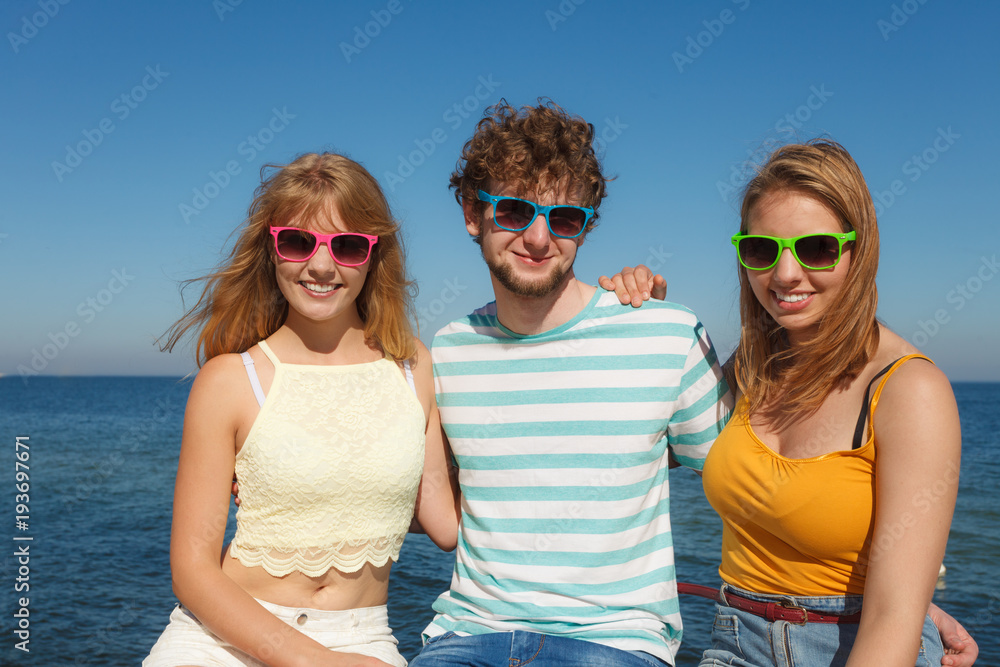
[(917, 464), (438, 499), (635, 285), (201, 506)]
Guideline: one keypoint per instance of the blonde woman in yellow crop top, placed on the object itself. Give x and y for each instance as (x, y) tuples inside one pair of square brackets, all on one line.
[(330, 421), (808, 517)]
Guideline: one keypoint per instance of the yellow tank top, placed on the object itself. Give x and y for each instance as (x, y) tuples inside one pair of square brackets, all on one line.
[(797, 526), (329, 471)]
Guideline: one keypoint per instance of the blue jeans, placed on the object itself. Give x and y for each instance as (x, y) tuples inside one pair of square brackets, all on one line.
[(741, 638), (514, 649)]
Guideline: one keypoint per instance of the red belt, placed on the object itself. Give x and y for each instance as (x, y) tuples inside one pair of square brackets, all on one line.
[(769, 611)]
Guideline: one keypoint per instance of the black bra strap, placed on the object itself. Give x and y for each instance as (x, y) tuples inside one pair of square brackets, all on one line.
[(859, 430)]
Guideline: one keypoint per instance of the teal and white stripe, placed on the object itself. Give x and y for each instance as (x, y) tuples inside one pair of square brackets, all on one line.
[(561, 440)]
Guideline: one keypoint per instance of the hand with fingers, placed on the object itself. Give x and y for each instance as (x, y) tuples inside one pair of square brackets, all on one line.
[(635, 285)]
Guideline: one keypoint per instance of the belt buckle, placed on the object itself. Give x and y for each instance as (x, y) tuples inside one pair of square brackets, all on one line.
[(795, 607)]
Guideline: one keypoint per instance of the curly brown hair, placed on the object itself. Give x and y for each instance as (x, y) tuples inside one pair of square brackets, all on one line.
[(532, 149)]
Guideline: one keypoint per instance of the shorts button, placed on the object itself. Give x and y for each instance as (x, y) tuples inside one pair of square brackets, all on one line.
[(301, 619)]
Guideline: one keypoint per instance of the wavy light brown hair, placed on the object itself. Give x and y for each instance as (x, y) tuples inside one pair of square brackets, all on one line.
[(532, 149), (766, 366), (241, 303)]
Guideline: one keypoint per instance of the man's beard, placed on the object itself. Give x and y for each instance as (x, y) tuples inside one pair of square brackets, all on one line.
[(544, 286)]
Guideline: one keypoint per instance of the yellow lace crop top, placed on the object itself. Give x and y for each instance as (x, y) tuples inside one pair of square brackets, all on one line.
[(329, 471)]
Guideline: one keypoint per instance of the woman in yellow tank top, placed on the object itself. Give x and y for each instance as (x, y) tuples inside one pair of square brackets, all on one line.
[(834, 523), (329, 417)]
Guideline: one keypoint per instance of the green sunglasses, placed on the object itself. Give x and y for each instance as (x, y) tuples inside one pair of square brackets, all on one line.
[(812, 251)]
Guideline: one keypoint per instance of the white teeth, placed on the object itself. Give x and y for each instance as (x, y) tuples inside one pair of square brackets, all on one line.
[(315, 287), (791, 298)]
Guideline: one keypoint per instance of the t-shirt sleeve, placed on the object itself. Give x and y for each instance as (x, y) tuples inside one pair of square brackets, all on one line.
[(703, 405)]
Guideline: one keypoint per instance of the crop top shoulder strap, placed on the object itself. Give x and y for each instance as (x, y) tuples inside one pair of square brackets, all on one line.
[(255, 381), (859, 430), (409, 375)]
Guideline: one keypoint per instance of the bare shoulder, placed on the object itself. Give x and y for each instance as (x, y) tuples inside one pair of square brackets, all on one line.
[(423, 377), (221, 387), (916, 379), (919, 393), (423, 356), (420, 363), (917, 404), (219, 373)]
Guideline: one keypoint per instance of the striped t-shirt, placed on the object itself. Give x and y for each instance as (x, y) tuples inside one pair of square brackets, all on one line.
[(561, 439)]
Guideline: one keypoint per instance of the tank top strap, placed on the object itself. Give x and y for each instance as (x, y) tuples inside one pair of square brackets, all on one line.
[(269, 354), (868, 406), (893, 369), (258, 392)]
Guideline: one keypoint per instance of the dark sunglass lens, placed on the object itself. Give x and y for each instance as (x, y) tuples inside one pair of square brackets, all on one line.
[(514, 214), (567, 221), (350, 249), (818, 251), (295, 244), (758, 253)]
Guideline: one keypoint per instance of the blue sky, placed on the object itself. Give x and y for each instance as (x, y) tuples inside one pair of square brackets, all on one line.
[(133, 135)]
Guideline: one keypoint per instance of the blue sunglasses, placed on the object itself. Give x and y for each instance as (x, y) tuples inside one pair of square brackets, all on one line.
[(516, 215)]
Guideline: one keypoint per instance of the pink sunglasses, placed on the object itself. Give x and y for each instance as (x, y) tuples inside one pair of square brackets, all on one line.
[(299, 245)]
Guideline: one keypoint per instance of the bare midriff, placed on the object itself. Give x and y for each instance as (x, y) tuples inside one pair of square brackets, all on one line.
[(332, 591)]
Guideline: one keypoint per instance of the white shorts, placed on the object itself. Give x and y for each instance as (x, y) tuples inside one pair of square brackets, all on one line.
[(366, 631)]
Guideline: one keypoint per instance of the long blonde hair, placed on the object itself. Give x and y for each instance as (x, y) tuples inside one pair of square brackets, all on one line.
[(804, 375), (241, 304)]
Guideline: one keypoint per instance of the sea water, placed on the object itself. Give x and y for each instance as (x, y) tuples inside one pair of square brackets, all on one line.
[(86, 575)]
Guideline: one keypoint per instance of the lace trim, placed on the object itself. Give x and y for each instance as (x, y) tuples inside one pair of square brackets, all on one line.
[(316, 562)]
